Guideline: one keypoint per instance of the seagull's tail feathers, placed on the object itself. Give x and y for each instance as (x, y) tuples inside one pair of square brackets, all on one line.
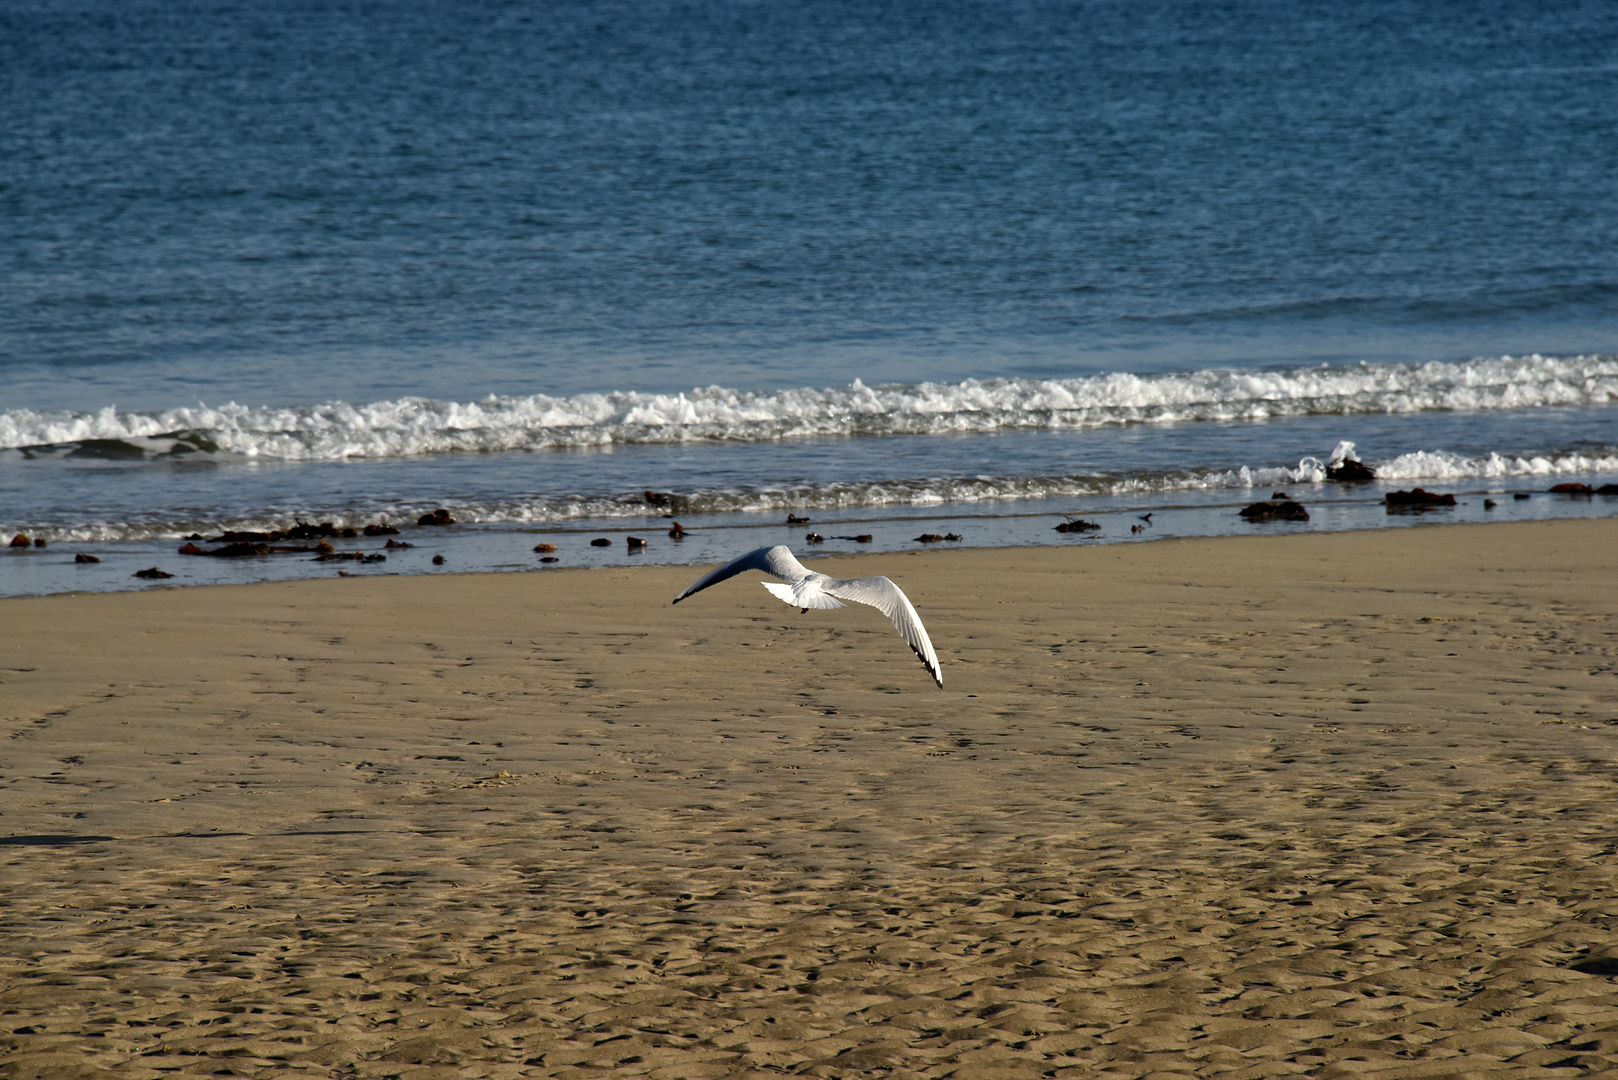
[(801, 597)]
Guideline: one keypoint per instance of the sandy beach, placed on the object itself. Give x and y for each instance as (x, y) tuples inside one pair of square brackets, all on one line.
[(1329, 805)]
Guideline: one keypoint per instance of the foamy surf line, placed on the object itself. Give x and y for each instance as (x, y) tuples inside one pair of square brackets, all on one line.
[(414, 426), (932, 494)]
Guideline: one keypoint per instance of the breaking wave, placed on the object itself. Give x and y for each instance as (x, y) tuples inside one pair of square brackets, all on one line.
[(411, 426)]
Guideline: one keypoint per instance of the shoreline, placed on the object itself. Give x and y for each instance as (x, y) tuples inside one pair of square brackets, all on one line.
[(510, 546), (1239, 806)]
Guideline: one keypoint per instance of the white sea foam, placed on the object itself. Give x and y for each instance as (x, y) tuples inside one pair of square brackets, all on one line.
[(409, 426), (1438, 465)]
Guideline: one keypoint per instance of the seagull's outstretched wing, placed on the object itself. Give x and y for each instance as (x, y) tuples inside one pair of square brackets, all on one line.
[(775, 560), (891, 601)]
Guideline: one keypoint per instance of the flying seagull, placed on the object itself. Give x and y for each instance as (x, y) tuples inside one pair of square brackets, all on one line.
[(806, 589)]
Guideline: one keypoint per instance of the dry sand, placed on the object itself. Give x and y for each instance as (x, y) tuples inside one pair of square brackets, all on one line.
[(1331, 805)]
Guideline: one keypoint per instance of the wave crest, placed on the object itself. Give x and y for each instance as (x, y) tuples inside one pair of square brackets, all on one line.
[(410, 426)]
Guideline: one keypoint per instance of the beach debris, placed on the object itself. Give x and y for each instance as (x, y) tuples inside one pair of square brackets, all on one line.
[(323, 531), (601, 541), (21, 541), (1521, 495), (1282, 509), (1607, 489), (1417, 498), (325, 547), (1572, 489), (862, 538), (398, 544), (232, 551), (806, 589), (152, 574), (438, 560), (39, 541), (952, 537), (1351, 470), (242, 544), (1489, 504), (1137, 528), (437, 517), (542, 548), (302, 530), (351, 556), (677, 531), (635, 543), (549, 558), (81, 557), (1077, 525), (928, 538), (814, 538), (794, 519)]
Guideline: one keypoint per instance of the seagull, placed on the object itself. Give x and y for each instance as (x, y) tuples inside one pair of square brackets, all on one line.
[(806, 589)]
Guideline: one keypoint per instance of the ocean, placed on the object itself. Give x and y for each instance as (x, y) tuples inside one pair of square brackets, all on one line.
[(577, 270)]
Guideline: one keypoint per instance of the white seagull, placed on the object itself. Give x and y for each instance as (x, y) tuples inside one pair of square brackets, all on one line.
[(806, 589)]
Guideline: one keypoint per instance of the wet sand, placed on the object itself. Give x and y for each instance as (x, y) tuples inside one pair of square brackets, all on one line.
[(1328, 805)]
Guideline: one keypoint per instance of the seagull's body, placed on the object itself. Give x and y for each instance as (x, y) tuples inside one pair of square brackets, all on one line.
[(806, 589)]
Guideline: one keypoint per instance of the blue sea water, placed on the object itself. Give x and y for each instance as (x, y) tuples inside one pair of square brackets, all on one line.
[(973, 265)]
